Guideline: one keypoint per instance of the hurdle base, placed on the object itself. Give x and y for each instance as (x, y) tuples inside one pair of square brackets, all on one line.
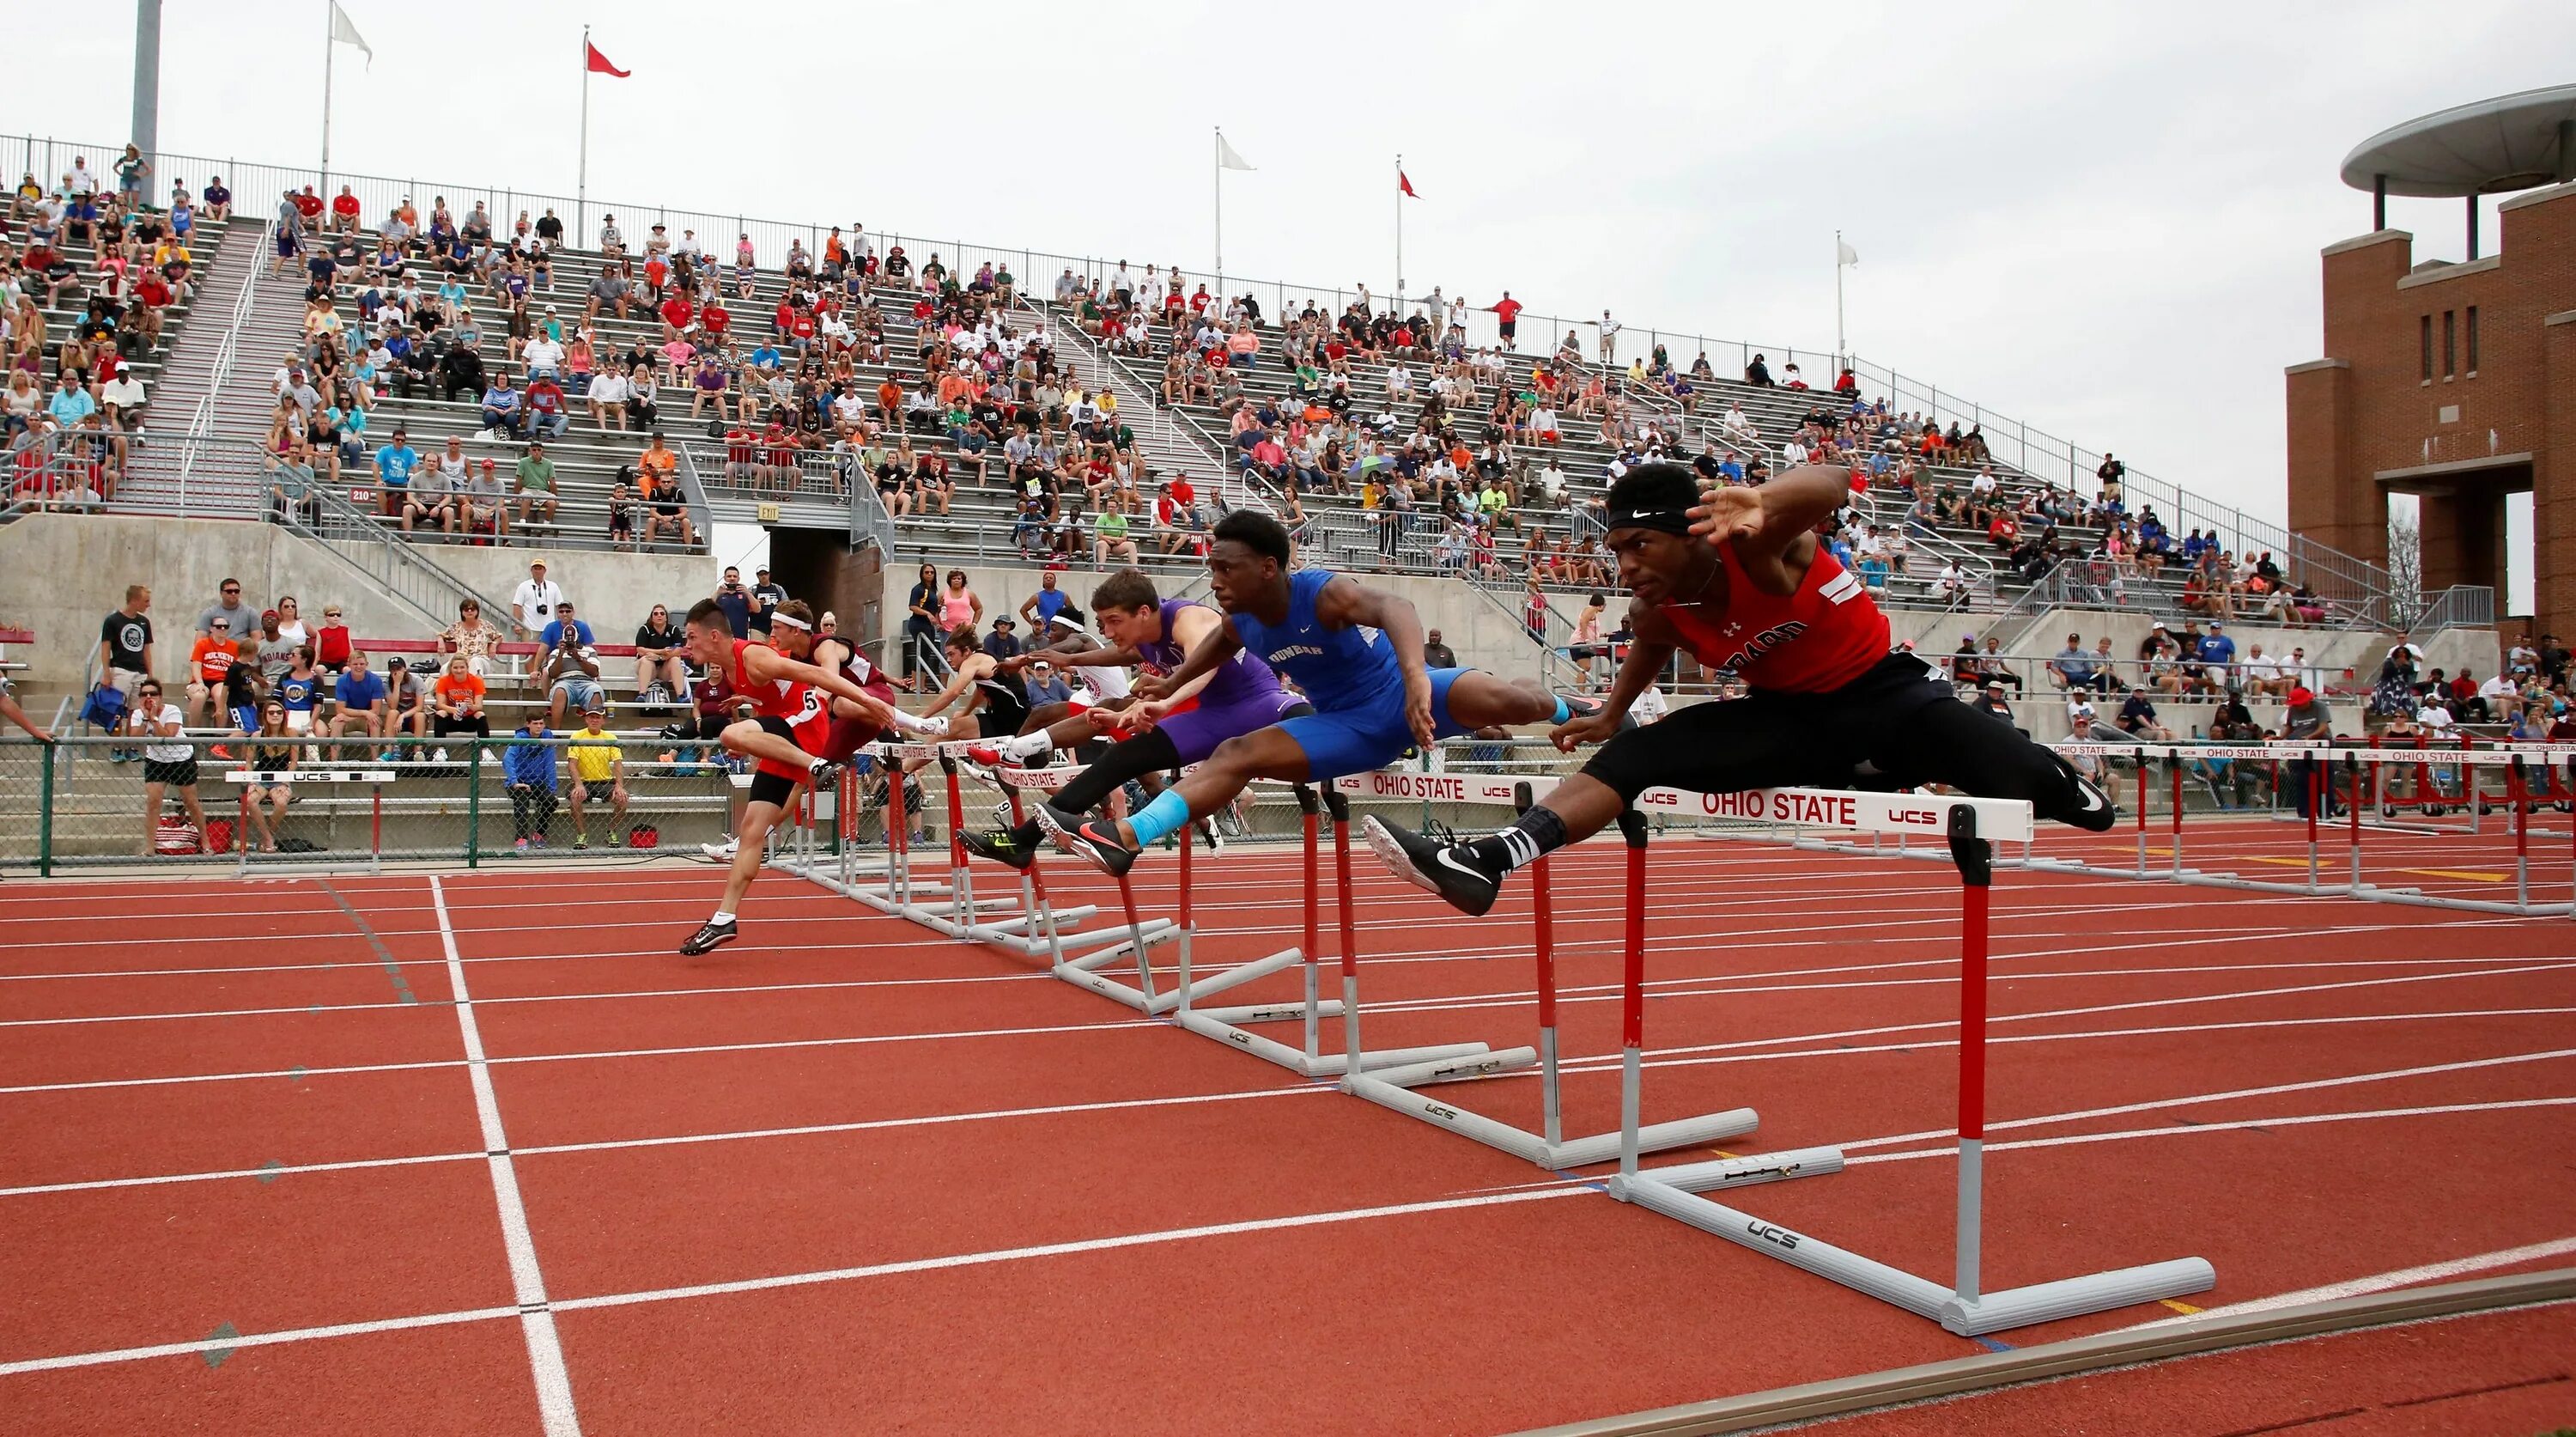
[(1993, 1312), (1732, 1172), (1392, 1089), (1207, 1024), (1222, 979), (2076, 1296)]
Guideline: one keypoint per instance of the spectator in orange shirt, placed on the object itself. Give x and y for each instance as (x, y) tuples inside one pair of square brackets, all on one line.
[(211, 660), (659, 463), (456, 701)]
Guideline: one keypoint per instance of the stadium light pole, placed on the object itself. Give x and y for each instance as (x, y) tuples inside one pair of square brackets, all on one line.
[(146, 129)]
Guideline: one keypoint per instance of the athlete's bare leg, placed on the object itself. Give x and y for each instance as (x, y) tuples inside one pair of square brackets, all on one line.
[(747, 738)]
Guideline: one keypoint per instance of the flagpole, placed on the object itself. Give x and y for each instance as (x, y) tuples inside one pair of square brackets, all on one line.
[(1399, 234), (581, 184), (330, 45), (1838, 299), (1218, 159)]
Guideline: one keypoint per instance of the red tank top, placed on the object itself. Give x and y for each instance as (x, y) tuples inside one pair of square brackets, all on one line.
[(1816, 640), (779, 698)]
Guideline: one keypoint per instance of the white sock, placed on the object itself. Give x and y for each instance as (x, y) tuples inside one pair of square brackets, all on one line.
[(1029, 745), (721, 918), (906, 723)]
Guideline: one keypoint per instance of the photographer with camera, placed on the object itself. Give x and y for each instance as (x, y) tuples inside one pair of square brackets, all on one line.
[(570, 668)]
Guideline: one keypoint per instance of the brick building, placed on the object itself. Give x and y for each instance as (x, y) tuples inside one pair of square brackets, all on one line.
[(2455, 382)]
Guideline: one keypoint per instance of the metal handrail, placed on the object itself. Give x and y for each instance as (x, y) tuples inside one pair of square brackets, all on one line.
[(201, 421)]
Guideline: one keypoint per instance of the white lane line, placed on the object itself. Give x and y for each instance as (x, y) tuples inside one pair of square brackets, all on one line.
[(2177, 1130), (536, 1319), (1683, 987), (259, 1339), (859, 1125), (1554, 1190), (1118, 1104), (2383, 1281), (1662, 1056)]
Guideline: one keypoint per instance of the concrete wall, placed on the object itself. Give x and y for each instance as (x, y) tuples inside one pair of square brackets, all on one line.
[(61, 573)]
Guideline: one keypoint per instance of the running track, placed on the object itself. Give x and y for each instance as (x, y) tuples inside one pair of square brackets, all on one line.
[(842, 1177)]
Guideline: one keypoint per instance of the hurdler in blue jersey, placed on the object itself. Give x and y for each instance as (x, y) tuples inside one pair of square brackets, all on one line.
[(1354, 650)]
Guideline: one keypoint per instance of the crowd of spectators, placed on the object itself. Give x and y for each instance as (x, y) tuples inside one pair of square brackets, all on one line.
[(267, 688), (70, 403)]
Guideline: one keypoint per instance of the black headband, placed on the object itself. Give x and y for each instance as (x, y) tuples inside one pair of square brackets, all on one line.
[(1671, 521)]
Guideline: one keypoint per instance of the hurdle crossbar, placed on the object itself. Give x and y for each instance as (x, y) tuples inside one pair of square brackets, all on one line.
[(1971, 827)]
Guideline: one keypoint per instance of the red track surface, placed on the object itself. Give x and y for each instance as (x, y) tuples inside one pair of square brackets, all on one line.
[(1009, 1206)]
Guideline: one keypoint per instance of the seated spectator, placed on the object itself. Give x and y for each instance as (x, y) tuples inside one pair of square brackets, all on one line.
[(479, 506), (2138, 717), (528, 769), (659, 659), (666, 510), (597, 759), (570, 668), (2074, 668), (533, 486), (456, 701), (360, 705)]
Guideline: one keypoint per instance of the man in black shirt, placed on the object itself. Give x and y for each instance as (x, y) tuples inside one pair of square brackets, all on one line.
[(125, 643), (550, 230), (1435, 654)]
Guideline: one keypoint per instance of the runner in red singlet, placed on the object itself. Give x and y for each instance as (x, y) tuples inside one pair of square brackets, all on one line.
[(1737, 576), (792, 707)]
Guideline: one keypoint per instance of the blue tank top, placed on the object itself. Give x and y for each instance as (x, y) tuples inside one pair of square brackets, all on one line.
[(1350, 668), (1242, 679)]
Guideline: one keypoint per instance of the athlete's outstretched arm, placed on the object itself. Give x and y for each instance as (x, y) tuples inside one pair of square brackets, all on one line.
[(1221, 644), (1650, 650), (1346, 601), (1764, 520), (1188, 630), (960, 680), (1109, 658)]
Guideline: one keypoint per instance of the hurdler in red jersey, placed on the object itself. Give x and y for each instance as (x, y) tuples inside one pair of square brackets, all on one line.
[(1738, 577)]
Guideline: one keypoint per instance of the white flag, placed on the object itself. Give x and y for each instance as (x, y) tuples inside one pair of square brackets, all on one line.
[(1846, 255), (347, 34), (1226, 157)]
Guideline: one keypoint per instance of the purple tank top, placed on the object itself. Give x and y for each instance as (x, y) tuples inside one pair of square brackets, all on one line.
[(1241, 679)]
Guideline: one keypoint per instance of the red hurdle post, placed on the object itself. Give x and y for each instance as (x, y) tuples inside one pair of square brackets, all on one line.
[(2174, 767), (2141, 757), (961, 885), (1974, 857)]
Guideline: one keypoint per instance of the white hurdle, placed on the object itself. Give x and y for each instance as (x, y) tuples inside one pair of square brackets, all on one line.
[(1393, 1088), (244, 780), (1226, 1025), (1971, 826)]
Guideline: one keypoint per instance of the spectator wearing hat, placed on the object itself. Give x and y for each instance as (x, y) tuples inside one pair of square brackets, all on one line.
[(1002, 643), (2076, 670), (528, 769), (766, 596), (479, 504), (1992, 701), (598, 762), (2137, 717), (2085, 724), (537, 599), (1045, 685)]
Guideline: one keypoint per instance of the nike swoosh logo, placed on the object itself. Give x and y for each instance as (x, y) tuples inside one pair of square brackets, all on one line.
[(1454, 866), (2094, 801)]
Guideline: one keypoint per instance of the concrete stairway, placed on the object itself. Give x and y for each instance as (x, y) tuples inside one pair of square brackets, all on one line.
[(222, 482)]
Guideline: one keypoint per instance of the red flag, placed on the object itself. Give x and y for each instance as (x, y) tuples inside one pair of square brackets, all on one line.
[(1404, 184), (599, 63)]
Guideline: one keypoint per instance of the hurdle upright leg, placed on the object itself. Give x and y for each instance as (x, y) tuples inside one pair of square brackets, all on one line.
[(1309, 807)]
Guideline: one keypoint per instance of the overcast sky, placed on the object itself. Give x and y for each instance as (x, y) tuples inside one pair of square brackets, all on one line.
[(2102, 221)]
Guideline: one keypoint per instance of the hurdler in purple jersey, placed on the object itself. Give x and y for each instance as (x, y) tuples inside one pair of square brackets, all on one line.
[(1140, 629)]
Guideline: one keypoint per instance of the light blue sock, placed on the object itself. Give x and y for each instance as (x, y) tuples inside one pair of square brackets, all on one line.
[(1168, 812), (1564, 711)]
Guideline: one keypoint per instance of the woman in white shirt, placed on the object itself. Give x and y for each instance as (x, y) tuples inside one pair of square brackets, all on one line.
[(169, 761)]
